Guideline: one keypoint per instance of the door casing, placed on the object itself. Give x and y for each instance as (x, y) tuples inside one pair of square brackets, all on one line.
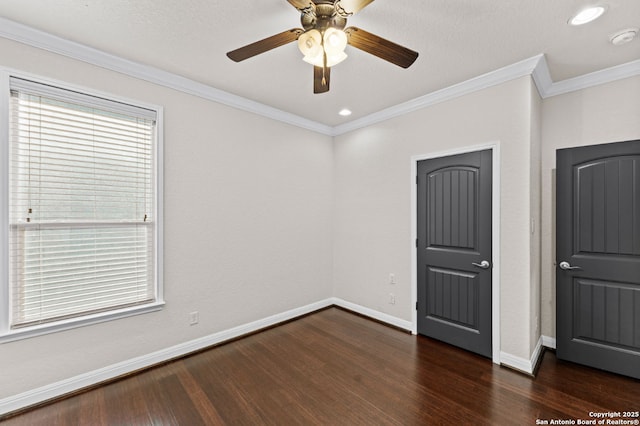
[(495, 261)]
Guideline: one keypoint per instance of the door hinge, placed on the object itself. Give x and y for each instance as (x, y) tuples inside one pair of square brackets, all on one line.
[(416, 242), (416, 306)]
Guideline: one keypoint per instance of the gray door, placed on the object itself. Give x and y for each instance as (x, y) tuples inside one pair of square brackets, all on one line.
[(598, 256), (454, 250)]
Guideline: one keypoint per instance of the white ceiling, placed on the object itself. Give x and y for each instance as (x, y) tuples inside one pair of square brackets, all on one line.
[(457, 40)]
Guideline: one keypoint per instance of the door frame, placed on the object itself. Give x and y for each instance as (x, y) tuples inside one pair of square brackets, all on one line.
[(495, 237)]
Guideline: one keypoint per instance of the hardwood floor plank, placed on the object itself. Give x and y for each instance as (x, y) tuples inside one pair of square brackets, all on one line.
[(337, 368), (198, 397)]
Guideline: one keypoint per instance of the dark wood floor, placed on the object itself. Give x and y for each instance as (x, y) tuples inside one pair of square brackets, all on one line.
[(336, 368)]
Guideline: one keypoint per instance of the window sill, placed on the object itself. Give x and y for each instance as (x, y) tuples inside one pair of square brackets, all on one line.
[(39, 330)]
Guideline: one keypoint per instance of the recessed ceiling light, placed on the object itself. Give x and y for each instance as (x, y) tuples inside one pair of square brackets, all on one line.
[(345, 112), (587, 15), (624, 36)]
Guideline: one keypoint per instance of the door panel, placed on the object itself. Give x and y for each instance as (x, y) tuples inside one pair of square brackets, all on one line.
[(605, 206), (453, 296), (454, 232), (606, 313), (598, 236), (452, 208)]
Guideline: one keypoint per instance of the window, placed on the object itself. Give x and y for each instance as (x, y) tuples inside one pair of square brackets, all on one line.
[(82, 209)]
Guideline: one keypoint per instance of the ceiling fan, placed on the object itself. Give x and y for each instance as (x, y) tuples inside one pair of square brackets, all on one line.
[(324, 38)]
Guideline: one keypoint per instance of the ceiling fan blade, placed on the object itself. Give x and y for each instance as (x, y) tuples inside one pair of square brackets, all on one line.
[(380, 47), (265, 45), (321, 78), (302, 5), (349, 7)]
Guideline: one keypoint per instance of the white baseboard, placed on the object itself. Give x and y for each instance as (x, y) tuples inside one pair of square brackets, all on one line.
[(522, 364), (549, 342), (371, 313), (54, 390)]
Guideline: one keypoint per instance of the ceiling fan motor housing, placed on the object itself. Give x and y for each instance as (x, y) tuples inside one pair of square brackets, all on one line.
[(325, 16)]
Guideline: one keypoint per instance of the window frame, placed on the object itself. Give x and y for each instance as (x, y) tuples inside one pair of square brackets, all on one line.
[(6, 333)]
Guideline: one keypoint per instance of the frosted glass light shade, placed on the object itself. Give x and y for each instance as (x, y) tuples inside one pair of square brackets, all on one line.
[(335, 41), (331, 59), (310, 43)]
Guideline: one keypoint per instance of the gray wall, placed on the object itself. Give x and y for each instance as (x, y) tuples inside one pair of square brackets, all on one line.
[(262, 217), (372, 182), (247, 227)]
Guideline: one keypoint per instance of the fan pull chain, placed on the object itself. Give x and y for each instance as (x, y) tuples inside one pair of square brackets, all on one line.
[(324, 62), (324, 73)]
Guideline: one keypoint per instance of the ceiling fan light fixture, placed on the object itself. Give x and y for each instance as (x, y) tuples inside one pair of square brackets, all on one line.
[(335, 41), (314, 46), (587, 15), (332, 60), (310, 43), (335, 59)]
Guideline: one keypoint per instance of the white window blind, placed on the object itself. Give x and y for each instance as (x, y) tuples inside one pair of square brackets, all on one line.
[(81, 205)]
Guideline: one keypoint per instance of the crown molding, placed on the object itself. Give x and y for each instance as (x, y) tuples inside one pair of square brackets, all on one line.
[(542, 77), (490, 79), (30, 36), (607, 75), (535, 66)]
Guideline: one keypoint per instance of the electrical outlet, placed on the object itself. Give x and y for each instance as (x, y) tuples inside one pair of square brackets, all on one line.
[(392, 299), (194, 318)]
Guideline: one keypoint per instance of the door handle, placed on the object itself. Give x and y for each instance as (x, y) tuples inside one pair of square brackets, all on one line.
[(566, 266), (484, 264)]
